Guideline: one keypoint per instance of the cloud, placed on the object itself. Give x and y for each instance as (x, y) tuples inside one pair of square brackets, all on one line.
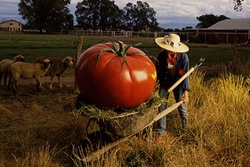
[(169, 14), (9, 10)]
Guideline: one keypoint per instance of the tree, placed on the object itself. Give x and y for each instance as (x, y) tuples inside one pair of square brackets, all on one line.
[(98, 14), (69, 22), (238, 5), (140, 16), (208, 20), (110, 15), (51, 15), (105, 15)]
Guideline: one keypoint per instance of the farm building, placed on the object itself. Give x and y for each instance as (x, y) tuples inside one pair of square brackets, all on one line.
[(11, 25), (225, 31)]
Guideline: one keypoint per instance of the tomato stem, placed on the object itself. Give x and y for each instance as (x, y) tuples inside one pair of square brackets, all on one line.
[(120, 50), (123, 48)]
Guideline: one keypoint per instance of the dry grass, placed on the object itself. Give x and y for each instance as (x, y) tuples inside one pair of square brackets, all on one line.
[(217, 135), (45, 132)]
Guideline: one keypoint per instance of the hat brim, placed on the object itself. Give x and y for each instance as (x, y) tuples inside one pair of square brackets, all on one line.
[(181, 48)]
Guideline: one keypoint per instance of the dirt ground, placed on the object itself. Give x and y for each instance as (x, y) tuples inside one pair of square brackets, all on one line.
[(31, 119), (57, 100)]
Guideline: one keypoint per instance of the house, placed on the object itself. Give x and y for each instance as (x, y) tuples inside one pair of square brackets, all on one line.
[(225, 31), (11, 25), (231, 24)]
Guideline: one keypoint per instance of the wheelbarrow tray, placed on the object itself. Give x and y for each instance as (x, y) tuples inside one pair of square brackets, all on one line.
[(124, 122), (129, 123)]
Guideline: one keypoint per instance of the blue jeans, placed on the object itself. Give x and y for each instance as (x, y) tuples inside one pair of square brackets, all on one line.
[(178, 94)]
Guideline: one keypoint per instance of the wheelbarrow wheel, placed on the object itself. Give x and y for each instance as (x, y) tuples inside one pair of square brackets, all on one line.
[(95, 141)]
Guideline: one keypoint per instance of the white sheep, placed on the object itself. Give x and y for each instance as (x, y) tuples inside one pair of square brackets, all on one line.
[(57, 68), (5, 67), (28, 71)]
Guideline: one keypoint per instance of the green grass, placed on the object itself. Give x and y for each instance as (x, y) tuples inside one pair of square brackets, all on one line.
[(33, 45)]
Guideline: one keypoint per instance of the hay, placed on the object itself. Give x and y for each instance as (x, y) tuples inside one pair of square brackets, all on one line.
[(93, 111), (123, 122)]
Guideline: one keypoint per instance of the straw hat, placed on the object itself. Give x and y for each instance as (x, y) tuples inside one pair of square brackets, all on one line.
[(172, 42)]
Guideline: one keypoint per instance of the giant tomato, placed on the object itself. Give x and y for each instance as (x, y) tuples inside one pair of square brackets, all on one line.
[(115, 75)]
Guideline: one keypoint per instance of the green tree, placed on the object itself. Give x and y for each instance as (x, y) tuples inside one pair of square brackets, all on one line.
[(69, 22), (110, 15), (238, 5), (208, 20), (95, 14), (51, 15), (140, 16)]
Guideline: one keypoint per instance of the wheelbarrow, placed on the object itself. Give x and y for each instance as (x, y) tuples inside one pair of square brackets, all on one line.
[(121, 127)]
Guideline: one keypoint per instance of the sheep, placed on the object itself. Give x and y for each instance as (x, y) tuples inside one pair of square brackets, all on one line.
[(28, 71), (57, 68), (5, 67)]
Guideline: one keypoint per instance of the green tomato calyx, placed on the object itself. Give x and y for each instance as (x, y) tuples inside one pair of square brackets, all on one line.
[(119, 50)]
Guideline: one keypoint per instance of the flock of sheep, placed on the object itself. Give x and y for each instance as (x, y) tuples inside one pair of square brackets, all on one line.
[(40, 67)]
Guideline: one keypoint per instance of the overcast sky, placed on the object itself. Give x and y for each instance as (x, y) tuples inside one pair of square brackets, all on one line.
[(169, 14)]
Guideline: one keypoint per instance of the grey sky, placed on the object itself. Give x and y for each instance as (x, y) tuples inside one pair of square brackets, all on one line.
[(169, 14)]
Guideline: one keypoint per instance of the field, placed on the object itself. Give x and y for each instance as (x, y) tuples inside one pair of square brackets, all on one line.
[(42, 129), (32, 45)]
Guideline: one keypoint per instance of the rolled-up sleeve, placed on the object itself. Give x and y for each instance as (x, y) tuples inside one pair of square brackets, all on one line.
[(184, 65)]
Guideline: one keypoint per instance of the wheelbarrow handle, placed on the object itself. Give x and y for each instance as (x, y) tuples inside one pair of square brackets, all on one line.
[(198, 64)]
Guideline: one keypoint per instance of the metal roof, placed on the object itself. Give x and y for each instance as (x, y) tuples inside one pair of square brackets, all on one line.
[(231, 24)]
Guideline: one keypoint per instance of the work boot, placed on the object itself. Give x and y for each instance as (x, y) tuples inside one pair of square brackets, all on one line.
[(159, 140)]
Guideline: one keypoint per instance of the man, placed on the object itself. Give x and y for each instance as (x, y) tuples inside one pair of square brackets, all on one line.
[(173, 63)]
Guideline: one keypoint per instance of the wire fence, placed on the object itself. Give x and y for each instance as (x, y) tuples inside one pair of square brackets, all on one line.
[(125, 34), (187, 36)]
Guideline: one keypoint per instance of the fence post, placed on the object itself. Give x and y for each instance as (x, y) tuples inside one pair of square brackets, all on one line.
[(78, 53)]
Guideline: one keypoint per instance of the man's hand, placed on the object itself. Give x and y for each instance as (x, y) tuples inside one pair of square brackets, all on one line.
[(185, 97)]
